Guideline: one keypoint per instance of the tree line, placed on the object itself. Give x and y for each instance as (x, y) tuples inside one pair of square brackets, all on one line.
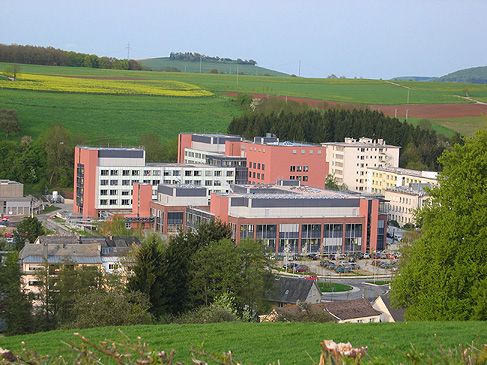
[(196, 57), (50, 56), (194, 277), (421, 147), (42, 163)]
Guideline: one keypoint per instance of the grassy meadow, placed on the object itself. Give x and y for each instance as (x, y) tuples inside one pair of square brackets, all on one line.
[(118, 106), (264, 343), (161, 63)]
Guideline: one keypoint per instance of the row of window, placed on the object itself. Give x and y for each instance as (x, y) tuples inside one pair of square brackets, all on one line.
[(115, 201), (298, 168), (300, 178), (256, 165), (207, 172), (256, 175)]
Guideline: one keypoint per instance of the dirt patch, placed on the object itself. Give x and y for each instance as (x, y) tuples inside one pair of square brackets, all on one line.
[(120, 78), (427, 111)]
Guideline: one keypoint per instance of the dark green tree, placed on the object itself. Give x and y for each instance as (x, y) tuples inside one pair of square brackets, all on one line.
[(9, 122), (177, 257), (28, 229), (443, 274), (146, 276), (15, 305)]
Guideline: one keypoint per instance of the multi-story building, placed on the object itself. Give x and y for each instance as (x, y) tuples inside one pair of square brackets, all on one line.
[(261, 161), (381, 178), (286, 217), (106, 254), (349, 160), (104, 178), (404, 201)]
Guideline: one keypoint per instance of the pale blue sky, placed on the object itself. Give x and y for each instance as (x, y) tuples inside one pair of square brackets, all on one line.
[(375, 39)]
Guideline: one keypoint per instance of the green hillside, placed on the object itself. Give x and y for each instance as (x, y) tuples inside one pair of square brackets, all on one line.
[(476, 75), (122, 119), (164, 63), (264, 343)]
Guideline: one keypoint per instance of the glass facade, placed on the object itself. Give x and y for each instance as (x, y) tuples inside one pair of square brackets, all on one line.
[(333, 238), (288, 239), (310, 238), (353, 238), (267, 233)]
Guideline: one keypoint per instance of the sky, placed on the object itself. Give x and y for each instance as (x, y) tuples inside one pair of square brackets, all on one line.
[(361, 38)]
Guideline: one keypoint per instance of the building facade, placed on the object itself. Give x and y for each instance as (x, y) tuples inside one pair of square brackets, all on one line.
[(104, 178), (381, 178), (404, 201), (261, 161), (349, 160), (14, 203)]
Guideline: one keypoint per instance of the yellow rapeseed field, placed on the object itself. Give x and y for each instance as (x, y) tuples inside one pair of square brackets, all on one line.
[(103, 86)]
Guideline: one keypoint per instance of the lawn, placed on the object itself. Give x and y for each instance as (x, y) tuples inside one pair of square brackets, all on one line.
[(264, 343), (328, 287), (118, 119)]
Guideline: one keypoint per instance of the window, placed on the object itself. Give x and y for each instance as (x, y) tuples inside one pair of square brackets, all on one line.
[(126, 182), (146, 181), (125, 192), (294, 152), (113, 192), (254, 165), (300, 168), (303, 152), (104, 172), (135, 172), (114, 172), (147, 173), (103, 202), (258, 175), (176, 173), (258, 166), (208, 183), (125, 201), (218, 173), (292, 168), (103, 182), (156, 173), (125, 172), (113, 201), (229, 173), (155, 182), (113, 182), (262, 176), (197, 173), (217, 183), (253, 175), (305, 178), (104, 192), (305, 168)]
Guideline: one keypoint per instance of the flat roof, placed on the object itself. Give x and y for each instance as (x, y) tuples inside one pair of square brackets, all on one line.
[(9, 182), (112, 148), (359, 144), (401, 171)]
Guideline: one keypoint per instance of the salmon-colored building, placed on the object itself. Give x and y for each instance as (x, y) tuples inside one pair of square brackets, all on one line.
[(286, 217), (263, 160)]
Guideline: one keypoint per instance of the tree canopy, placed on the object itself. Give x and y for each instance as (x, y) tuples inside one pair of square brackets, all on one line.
[(423, 147), (443, 274)]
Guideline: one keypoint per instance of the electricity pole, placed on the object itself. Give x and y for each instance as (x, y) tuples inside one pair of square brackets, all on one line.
[(128, 51)]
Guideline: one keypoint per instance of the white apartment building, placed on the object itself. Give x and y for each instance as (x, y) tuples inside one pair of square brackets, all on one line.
[(104, 178), (404, 201), (349, 160), (381, 178)]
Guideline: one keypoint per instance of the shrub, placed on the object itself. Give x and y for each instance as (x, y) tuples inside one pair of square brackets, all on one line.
[(207, 314)]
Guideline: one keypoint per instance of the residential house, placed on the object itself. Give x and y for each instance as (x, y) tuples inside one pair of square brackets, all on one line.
[(293, 290), (353, 311), (389, 313)]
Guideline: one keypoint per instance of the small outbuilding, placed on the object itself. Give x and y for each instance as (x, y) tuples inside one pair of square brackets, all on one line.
[(353, 311)]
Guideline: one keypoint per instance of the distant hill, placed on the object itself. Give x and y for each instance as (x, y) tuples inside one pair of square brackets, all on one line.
[(221, 67), (476, 75), (415, 78)]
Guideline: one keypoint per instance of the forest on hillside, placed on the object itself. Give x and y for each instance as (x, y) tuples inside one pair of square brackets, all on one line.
[(196, 57), (421, 147), (50, 56)]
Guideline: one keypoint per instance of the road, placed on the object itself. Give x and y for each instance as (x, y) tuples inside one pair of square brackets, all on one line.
[(361, 289), (49, 223)]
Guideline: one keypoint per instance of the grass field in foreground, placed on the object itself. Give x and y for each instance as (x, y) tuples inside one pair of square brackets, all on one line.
[(104, 119), (342, 90), (264, 343)]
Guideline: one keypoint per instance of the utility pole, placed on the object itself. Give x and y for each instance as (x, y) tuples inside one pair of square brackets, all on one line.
[(200, 63), (128, 51)]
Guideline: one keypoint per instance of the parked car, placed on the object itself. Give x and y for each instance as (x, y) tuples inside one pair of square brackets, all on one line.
[(314, 256), (302, 268), (312, 278), (343, 269), (291, 266)]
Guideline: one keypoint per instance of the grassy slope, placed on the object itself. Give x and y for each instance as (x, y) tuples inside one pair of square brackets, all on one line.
[(161, 63), (265, 343), (111, 119), (343, 90), (103, 119)]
